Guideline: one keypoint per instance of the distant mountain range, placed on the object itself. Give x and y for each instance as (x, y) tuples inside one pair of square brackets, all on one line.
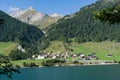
[(34, 17)]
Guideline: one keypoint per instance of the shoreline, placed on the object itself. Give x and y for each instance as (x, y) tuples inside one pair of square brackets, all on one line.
[(74, 65), (67, 66)]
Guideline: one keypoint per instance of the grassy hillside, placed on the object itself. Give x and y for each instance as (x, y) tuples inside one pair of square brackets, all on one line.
[(100, 48), (55, 46), (45, 23), (6, 47)]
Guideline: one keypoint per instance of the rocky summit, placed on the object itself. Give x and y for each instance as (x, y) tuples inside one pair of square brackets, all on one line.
[(34, 17)]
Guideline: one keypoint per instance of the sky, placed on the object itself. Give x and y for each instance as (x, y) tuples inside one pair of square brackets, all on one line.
[(63, 7)]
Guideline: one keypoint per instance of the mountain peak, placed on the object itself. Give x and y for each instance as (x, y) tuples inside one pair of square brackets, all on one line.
[(32, 16), (17, 12), (31, 8)]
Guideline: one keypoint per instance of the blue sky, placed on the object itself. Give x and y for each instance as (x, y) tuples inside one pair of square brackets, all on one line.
[(46, 6)]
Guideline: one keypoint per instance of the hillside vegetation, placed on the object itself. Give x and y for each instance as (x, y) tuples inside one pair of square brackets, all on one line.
[(13, 30), (84, 27), (6, 47), (110, 15)]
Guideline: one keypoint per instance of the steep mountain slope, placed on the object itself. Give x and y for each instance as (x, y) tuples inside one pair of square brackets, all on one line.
[(39, 19), (17, 31), (83, 27)]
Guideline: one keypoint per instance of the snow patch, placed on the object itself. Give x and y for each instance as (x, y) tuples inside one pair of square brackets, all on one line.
[(55, 15)]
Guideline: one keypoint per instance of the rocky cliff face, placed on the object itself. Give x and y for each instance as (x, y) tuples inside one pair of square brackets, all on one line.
[(34, 17)]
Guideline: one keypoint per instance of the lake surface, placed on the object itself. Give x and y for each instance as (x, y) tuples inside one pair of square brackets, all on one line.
[(99, 72)]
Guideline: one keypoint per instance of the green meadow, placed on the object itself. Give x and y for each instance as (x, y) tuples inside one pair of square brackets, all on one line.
[(6, 47), (102, 49)]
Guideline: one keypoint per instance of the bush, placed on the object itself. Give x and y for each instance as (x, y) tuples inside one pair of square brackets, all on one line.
[(32, 64), (17, 55), (52, 62), (76, 62)]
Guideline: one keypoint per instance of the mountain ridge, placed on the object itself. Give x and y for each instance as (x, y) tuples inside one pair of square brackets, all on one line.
[(34, 17)]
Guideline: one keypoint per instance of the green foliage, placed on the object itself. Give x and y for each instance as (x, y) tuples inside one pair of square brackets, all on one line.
[(6, 68), (3, 58), (17, 55), (43, 43), (16, 31), (32, 64), (51, 62), (83, 27), (111, 15), (1, 21)]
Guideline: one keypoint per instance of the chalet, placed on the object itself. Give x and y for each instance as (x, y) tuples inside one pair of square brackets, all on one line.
[(54, 57), (82, 56), (92, 56), (109, 55)]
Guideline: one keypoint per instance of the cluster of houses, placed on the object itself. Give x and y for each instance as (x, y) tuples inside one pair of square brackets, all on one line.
[(80, 56), (65, 55)]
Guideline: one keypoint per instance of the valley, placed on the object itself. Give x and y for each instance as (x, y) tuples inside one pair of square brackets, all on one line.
[(75, 37), (60, 40), (107, 52)]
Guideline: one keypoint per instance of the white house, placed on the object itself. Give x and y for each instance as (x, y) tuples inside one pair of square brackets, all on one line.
[(40, 57)]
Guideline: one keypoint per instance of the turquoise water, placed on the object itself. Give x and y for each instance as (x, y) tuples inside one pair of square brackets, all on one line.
[(108, 72)]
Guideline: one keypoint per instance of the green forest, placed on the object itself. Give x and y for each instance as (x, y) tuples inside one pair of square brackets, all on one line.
[(84, 27), (13, 30)]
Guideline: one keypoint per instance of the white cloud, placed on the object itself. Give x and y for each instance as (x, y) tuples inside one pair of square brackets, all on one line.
[(13, 8)]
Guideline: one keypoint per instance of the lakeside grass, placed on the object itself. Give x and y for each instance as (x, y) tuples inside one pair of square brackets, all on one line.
[(20, 62), (6, 47), (68, 62)]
